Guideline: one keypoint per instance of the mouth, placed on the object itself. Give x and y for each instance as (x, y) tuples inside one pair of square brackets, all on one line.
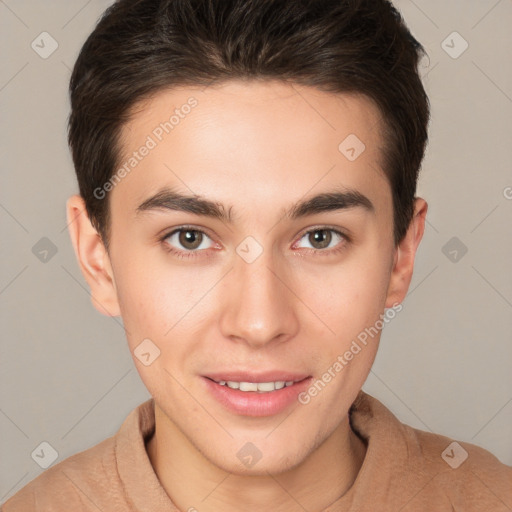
[(256, 394), (258, 387)]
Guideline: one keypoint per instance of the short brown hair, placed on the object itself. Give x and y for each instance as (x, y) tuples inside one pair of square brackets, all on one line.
[(140, 47)]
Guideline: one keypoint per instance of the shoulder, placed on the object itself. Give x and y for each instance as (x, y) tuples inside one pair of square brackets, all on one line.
[(417, 470), (98, 478), (468, 475), (69, 485)]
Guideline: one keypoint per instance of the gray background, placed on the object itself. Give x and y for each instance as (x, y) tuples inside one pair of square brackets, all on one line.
[(67, 377)]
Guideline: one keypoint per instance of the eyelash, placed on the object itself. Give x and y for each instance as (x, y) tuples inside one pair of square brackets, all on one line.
[(194, 254)]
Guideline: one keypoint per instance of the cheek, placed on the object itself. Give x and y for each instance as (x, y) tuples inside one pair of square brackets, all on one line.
[(154, 306), (157, 298), (147, 299), (350, 300), (351, 295)]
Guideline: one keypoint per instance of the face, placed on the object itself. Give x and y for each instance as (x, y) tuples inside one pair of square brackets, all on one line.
[(235, 276)]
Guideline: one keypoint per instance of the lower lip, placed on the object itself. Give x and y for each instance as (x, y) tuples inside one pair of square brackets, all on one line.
[(252, 403)]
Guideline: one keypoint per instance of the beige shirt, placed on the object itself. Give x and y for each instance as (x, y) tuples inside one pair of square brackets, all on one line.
[(404, 470)]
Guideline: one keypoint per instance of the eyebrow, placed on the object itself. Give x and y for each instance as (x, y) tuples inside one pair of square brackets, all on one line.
[(168, 199)]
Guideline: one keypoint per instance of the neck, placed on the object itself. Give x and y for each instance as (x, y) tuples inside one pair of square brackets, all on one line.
[(195, 483)]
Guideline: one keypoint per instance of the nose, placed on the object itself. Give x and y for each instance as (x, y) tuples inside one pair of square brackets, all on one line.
[(258, 307)]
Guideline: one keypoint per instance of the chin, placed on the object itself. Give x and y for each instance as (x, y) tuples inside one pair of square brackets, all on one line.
[(249, 460)]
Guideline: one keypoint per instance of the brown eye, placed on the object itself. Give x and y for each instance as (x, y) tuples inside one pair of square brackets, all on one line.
[(323, 240), (190, 239), (320, 239)]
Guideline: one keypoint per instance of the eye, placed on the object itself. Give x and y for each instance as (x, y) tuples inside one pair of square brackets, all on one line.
[(188, 242), (188, 239), (323, 238)]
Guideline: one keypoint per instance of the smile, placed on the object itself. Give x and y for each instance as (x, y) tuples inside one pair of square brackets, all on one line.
[(259, 387), (267, 397)]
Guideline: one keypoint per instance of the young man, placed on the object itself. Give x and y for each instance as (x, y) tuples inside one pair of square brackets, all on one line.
[(247, 175)]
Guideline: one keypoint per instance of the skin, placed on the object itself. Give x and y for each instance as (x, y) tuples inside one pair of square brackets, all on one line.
[(257, 148)]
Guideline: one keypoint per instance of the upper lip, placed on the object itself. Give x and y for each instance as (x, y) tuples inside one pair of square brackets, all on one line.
[(267, 376)]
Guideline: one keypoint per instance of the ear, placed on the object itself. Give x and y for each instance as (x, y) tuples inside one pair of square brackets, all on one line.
[(403, 264), (92, 257)]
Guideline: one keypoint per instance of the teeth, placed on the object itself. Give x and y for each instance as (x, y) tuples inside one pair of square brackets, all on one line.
[(261, 387), (266, 386), (248, 386)]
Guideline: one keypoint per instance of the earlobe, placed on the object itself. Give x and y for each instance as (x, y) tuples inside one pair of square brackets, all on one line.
[(405, 253), (92, 257)]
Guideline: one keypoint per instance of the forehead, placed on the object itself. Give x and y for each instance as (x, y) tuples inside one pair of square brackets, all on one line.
[(260, 143)]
